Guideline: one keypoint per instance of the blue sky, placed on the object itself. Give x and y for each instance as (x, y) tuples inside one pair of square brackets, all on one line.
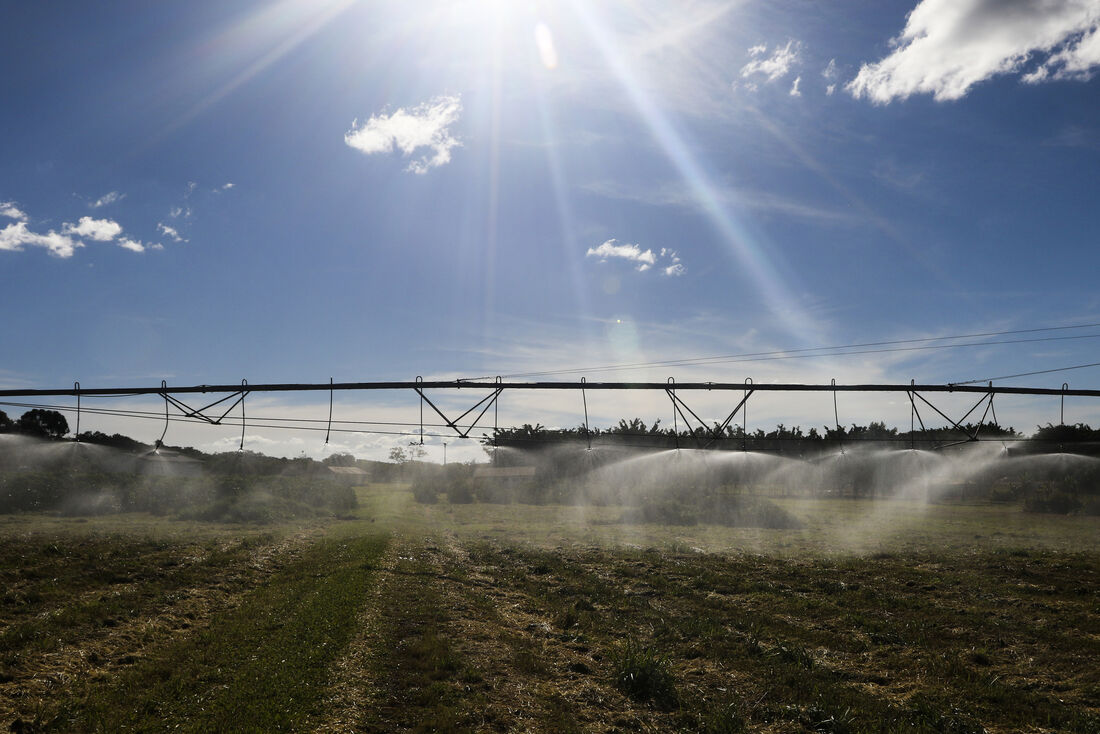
[(286, 191)]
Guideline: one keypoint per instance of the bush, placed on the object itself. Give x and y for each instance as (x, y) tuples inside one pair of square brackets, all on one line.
[(731, 511), (425, 492), (459, 492), (1052, 501)]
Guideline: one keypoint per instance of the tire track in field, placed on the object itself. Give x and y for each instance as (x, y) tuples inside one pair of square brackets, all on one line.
[(354, 690), (43, 679), (541, 678)]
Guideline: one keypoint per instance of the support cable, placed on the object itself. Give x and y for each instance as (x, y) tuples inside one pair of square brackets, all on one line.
[(76, 387), (745, 419), (160, 441), (420, 381), (836, 418), (587, 435), (675, 423), (328, 430), (829, 351), (244, 391)]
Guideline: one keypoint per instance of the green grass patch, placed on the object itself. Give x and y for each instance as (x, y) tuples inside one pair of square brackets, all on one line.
[(261, 667)]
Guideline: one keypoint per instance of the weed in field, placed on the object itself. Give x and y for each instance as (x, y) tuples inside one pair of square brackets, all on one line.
[(724, 719), (644, 675)]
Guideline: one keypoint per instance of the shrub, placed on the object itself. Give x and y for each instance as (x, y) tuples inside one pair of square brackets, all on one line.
[(425, 492), (1052, 501)]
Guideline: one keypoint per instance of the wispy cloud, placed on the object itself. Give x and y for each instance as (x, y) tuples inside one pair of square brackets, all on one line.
[(109, 198), (675, 268), (410, 130), (170, 232), (681, 196), (100, 230), (774, 67), (1075, 136), (11, 211), (830, 73), (795, 91), (643, 260), (948, 46)]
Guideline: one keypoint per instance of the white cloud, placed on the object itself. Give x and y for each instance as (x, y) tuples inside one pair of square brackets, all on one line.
[(167, 231), (1077, 60), (109, 198), (423, 126), (830, 72), (948, 46), (11, 211), (15, 236), (228, 185), (643, 259), (676, 268), (132, 245), (100, 230), (773, 67), (634, 253), (795, 92)]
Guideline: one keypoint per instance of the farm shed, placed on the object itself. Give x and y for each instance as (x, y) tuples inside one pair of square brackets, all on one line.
[(351, 476), (504, 476)]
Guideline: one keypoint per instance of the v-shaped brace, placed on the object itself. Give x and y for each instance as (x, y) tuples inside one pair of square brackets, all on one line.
[(485, 403), (970, 435)]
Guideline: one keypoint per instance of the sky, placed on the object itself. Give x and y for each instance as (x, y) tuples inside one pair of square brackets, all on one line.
[(292, 191)]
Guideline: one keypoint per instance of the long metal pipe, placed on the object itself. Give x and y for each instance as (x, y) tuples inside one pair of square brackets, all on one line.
[(492, 385)]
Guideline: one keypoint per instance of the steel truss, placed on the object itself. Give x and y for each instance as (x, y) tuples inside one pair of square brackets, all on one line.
[(705, 435)]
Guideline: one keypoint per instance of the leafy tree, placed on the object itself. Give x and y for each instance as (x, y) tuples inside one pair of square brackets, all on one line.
[(398, 455), (5, 422), (44, 423), (416, 451), (339, 460)]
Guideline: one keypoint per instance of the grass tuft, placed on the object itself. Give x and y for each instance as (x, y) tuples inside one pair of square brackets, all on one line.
[(644, 675)]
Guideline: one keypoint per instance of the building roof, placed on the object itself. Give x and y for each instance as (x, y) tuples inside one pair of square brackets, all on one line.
[(172, 457), (504, 472), (349, 471)]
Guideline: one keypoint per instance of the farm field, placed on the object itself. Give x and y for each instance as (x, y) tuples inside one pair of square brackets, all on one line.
[(873, 617)]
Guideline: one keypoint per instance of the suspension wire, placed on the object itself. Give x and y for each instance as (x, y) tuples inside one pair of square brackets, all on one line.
[(1029, 374), (587, 435), (675, 420), (76, 387), (629, 434), (244, 391), (745, 418), (329, 430), (164, 388), (496, 409), (836, 418), (419, 381), (832, 351), (144, 413)]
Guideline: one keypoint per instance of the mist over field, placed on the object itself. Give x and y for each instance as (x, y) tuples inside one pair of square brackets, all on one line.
[(573, 580)]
